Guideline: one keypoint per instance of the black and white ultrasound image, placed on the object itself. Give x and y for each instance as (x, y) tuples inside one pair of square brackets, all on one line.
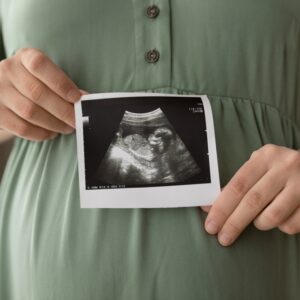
[(144, 142)]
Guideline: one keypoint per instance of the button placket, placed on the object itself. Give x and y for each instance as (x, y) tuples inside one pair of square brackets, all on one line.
[(152, 56), (152, 37)]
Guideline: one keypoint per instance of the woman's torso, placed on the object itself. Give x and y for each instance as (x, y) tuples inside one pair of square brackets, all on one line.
[(246, 56)]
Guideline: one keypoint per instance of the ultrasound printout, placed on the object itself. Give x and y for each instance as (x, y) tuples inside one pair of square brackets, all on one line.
[(146, 150)]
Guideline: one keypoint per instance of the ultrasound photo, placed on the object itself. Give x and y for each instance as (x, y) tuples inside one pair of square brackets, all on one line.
[(136, 141), (147, 150)]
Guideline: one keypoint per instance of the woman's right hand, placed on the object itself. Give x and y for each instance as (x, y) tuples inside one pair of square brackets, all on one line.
[(36, 97)]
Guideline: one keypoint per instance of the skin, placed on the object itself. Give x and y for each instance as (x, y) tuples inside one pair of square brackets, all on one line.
[(265, 191), (37, 103), (37, 97)]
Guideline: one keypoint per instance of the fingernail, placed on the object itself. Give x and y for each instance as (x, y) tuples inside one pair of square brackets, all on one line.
[(73, 95), (211, 227), (68, 130), (225, 239)]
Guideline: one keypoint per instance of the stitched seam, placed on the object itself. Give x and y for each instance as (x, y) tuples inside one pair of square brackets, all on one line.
[(253, 101), (270, 106)]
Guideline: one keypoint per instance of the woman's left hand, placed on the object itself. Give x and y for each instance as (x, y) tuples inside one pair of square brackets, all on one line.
[(266, 190)]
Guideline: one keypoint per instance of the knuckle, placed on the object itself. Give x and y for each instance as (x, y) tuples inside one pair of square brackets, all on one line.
[(62, 84), (269, 149), (218, 213), (269, 218), (289, 228), (35, 91), (254, 200), (28, 111), (23, 50), (5, 65), (34, 59), (232, 227), (297, 158), (254, 154), (238, 185), (293, 159)]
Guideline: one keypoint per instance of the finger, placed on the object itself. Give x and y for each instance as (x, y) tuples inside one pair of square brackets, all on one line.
[(19, 127), (40, 66), (257, 198), (41, 95), (83, 92), (233, 193), (285, 203), (206, 208), (292, 225), (32, 113)]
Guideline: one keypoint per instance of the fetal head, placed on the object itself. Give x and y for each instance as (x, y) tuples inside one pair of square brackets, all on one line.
[(160, 139)]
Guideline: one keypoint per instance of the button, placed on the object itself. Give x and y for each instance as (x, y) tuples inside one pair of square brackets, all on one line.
[(152, 11), (152, 56)]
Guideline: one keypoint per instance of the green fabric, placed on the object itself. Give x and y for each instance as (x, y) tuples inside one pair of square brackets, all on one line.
[(245, 54)]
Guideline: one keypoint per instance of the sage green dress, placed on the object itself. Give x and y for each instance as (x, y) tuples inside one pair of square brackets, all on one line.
[(245, 54)]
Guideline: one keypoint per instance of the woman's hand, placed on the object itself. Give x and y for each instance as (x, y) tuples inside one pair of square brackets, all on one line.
[(265, 189), (36, 98)]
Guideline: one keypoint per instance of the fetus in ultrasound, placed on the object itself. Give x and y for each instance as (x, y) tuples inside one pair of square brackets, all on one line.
[(146, 150)]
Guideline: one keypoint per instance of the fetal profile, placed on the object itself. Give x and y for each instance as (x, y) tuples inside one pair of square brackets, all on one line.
[(147, 150)]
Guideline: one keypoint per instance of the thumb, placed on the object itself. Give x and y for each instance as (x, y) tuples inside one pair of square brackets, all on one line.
[(206, 208), (83, 92)]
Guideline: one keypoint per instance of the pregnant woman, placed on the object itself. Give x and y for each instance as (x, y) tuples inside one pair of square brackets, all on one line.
[(245, 55)]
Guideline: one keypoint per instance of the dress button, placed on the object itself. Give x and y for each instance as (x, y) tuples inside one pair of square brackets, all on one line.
[(152, 11), (152, 56)]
